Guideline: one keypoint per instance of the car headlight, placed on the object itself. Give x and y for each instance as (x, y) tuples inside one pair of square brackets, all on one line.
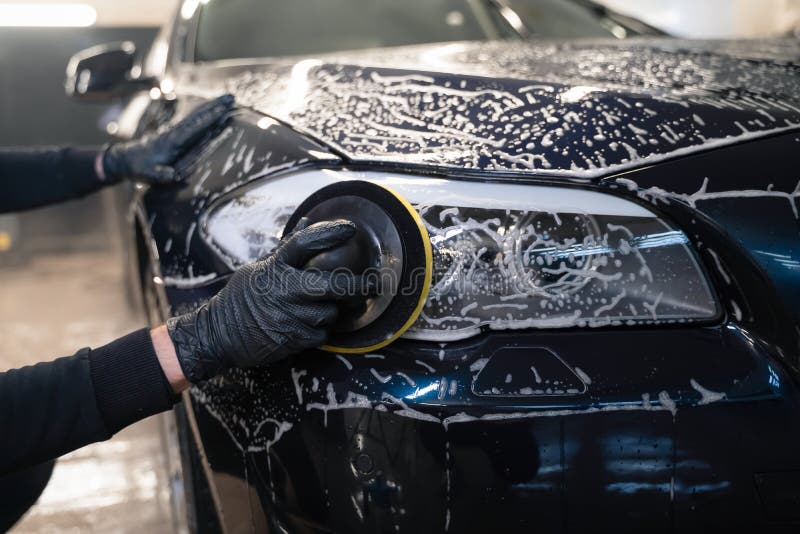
[(506, 256)]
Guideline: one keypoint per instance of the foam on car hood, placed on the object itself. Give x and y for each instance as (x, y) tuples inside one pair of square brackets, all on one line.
[(579, 108)]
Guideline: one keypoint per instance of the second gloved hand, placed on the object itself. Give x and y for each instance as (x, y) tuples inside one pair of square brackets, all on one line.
[(269, 309), (151, 158)]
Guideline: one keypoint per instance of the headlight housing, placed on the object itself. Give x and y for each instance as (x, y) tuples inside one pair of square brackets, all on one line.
[(507, 256)]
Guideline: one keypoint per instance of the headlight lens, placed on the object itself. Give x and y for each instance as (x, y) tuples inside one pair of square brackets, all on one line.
[(507, 256)]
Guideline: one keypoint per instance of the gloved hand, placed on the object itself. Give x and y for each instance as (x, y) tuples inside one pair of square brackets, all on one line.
[(268, 309), (150, 159)]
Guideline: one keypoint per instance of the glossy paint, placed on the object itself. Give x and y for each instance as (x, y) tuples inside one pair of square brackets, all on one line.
[(545, 108), (250, 148), (749, 191), (689, 429)]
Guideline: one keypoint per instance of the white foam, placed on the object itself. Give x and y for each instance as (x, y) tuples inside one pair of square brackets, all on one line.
[(352, 400), (707, 396), (189, 282), (583, 376)]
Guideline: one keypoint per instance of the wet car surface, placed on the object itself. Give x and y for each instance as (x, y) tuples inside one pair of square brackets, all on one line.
[(628, 361)]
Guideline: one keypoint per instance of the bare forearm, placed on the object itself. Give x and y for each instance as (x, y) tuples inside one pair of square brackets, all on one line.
[(168, 359), (98, 166)]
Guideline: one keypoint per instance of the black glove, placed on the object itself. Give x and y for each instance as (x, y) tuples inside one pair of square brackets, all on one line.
[(150, 159), (269, 309)]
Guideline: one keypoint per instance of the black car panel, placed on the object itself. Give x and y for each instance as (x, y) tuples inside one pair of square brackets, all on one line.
[(615, 437), (670, 427), (251, 147), (573, 109)]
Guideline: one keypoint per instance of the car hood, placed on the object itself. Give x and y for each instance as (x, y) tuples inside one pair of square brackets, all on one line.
[(578, 108)]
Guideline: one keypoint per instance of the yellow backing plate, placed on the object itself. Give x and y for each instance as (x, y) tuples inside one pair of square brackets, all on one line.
[(426, 284)]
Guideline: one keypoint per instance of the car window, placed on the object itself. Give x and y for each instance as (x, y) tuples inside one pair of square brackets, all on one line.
[(561, 19), (273, 28), (569, 19)]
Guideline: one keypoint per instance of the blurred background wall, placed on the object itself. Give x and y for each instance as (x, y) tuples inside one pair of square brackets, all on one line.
[(35, 111), (715, 19)]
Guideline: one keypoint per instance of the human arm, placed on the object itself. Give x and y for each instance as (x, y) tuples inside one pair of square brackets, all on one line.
[(35, 177), (268, 310), (51, 408), (168, 359)]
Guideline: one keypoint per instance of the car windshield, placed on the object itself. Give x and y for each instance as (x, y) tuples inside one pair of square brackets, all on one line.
[(569, 19), (263, 28), (231, 29)]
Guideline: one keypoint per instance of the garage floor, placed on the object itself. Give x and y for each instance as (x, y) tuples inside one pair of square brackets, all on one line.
[(50, 306)]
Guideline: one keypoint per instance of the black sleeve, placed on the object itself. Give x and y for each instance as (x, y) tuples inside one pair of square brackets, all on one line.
[(34, 177), (49, 409)]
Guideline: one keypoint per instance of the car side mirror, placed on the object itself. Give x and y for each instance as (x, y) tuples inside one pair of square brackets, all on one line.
[(105, 72)]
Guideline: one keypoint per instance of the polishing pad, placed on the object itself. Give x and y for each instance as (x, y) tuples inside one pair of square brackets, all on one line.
[(391, 244)]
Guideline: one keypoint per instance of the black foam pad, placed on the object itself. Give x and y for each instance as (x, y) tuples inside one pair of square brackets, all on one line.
[(411, 286)]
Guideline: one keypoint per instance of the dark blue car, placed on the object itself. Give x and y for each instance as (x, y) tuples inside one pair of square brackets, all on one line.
[(611, 341)]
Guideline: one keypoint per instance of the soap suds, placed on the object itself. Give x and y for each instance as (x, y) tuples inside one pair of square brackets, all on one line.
[(707, 396), (583, 376), (345, 362), (364, 106), (189, 283)]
